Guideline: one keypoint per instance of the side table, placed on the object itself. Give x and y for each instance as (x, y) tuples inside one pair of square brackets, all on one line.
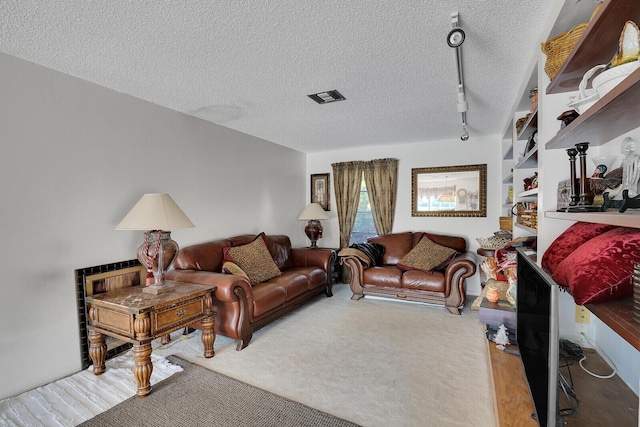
[(138, 317)]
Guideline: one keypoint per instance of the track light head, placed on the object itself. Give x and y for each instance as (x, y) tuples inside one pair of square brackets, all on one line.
[(465, 134), (455, 38)]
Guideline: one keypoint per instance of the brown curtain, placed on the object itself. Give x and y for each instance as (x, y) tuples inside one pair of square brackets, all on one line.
[(381, 177), (347, 177)]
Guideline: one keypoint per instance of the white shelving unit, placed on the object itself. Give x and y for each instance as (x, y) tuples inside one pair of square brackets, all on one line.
[(611, 117)]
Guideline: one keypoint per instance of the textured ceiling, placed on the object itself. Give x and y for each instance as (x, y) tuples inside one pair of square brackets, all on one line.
[(248, 65)]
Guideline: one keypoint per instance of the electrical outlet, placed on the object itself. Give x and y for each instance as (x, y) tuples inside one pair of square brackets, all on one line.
[(583, 321), (582, 328), (582, 314)]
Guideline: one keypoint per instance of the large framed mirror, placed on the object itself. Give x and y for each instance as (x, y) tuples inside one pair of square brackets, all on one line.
[(449, 191)]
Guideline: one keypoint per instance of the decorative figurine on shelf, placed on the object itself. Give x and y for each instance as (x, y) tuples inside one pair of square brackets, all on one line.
[(598, 183), (630, 171), (531, 182), (533, 95), (599, 172), (630, 167), (628, 45), (567, 117), (502, 336)]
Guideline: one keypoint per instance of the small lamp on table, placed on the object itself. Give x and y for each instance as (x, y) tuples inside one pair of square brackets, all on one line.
[(156, 213), (313, 213)]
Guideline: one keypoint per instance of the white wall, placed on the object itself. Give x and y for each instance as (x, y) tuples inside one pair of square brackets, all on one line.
[(428, 154), (75, 158)]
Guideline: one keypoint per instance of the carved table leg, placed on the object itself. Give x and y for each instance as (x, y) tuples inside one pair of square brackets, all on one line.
[(165, 339), (97, 351), (142, 367), (208, 336)]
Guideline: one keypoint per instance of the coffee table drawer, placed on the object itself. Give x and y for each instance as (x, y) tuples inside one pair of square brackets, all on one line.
[(173, 317)]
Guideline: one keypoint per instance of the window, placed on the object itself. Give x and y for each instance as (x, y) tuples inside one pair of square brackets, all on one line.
[(363, 227)]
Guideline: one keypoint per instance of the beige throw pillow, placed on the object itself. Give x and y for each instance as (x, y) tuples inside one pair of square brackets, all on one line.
[(233, 268)]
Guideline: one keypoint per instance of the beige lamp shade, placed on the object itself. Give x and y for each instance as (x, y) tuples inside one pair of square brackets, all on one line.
[(155, 211), (313, 211)]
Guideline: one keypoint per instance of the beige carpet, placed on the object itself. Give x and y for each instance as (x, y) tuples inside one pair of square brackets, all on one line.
[(201, 397), (373, 362)]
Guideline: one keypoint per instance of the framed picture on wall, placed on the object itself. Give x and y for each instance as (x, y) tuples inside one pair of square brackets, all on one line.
[(320, 190)]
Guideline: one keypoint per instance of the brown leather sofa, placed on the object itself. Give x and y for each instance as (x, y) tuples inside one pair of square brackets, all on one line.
[(241, 308), (444, 286)]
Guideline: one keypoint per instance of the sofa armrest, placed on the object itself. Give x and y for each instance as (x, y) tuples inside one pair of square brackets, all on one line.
[(356, 281), (459, 268), (225, 283), (318, 257), (465, 259)]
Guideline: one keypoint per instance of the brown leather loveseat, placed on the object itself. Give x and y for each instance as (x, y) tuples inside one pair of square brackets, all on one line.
[(241, 307), (400, 274)]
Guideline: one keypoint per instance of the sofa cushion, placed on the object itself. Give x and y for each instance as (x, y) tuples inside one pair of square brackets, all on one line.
[(427, 255), (267, 297), (203, 256), (385, 276), (601, 269), (254, 259), (421, 281), (293, 282), (454, 242), (396, 246), (569, 241)]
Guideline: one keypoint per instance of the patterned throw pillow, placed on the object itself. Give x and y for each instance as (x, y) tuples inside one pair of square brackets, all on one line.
[(254, 260), (427, 256)]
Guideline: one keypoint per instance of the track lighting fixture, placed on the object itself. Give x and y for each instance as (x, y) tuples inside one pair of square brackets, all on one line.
[(455, 38)]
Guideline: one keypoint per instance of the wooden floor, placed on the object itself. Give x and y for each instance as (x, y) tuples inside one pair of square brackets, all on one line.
[(512, 402), (602, 402)]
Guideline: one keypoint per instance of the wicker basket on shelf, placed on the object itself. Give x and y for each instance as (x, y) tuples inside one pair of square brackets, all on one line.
[(520, 123), (493, 242), (558, 48), (506, 223)]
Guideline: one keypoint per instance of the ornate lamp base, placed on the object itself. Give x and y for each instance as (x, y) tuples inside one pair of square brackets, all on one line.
[(313, 230), (158, 289), (157, 253)]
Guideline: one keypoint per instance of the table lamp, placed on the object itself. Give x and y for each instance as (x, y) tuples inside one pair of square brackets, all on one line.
[(156, 213), (313, 213)]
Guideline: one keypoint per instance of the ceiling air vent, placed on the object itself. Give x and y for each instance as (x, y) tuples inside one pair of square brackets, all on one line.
[(326, 97)]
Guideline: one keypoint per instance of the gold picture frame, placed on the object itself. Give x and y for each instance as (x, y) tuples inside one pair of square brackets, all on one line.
[(320, 190), (449, 191)]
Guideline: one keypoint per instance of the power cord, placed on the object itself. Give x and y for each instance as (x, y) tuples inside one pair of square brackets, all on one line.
[(604, 356), (572, 351)]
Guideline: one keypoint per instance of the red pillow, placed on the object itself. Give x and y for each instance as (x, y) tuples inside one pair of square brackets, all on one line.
[(569, 241), (601, 269)]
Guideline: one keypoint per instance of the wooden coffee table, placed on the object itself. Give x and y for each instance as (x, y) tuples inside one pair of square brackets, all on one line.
[(138, 317)]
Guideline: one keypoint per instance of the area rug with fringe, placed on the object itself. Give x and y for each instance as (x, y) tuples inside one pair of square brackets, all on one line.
[(200, 397)]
